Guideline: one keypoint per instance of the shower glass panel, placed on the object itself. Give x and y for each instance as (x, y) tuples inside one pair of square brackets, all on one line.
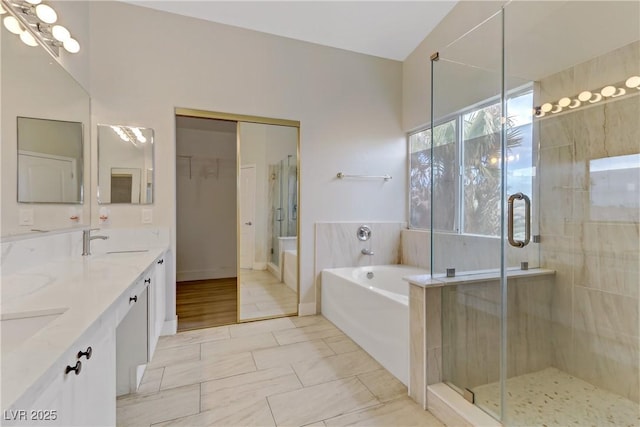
[(572, 341), (467, 178), (537, 178), (283, 194)]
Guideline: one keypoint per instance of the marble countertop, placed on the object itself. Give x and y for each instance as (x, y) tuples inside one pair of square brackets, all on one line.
[(83, 291), (439, 280)]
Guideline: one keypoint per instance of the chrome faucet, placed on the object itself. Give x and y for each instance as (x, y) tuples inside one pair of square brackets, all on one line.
[(366, 252), (86, 241)]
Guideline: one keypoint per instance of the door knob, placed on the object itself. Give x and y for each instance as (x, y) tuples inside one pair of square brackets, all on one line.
[(247, 223)]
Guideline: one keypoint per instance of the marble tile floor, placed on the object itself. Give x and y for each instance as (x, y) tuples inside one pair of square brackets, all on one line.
[(293, 371), (263, 295), (551, 397)]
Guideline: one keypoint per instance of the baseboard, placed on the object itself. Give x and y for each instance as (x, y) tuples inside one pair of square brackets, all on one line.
[(217, 273), (307, 309), (170, 327), (259, 266)]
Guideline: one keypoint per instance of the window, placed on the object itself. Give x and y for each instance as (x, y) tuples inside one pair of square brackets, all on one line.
[(465, 168)]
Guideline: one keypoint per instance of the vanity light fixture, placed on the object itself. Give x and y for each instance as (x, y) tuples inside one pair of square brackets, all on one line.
[(33, 21), (588, 97)]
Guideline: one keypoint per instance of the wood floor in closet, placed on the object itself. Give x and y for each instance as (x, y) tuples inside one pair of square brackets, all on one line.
[(206, 303)]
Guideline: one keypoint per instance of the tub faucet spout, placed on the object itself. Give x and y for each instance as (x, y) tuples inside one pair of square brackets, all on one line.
[(367, 252)]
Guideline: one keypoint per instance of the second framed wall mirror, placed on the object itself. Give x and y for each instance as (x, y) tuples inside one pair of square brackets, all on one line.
[(237, 218)]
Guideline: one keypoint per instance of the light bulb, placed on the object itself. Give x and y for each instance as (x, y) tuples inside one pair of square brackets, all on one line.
[(585, 96), (12, 24), (546, 107), (28, 39), (34, 1), (60, 33), (46, 13), (564, 102), (608, 91), (633, 81), (71, 45)]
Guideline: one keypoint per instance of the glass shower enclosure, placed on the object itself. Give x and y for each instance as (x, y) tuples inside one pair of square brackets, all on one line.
[(283, 199), (534, 180)]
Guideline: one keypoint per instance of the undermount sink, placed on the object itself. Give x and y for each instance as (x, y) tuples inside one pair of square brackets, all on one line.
[(17, 328)]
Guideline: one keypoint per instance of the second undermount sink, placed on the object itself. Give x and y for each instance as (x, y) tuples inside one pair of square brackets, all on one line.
[(18, 328)]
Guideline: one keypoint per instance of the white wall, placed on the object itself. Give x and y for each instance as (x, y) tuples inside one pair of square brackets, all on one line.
[(349, 106), (206, 204)]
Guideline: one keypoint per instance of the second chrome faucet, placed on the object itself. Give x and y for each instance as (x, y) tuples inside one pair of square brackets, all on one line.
[(365, 251)]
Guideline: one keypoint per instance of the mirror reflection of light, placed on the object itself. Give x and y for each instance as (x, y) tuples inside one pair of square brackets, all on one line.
[(564, 102), (576, 103), (633, 82), (620, 92), (597, 97), (2, 11), (608, 91), (585, 96)]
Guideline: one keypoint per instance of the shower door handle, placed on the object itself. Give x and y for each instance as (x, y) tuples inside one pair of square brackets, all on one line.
[(527, 220)]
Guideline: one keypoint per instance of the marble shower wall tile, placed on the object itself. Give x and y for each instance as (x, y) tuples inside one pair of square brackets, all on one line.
[(592, 247), (613, 67), (336, 245), (473, 311)]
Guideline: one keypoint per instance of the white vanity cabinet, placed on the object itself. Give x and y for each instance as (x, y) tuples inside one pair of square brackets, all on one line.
[(138, 332), (84, 399), (52, 378)]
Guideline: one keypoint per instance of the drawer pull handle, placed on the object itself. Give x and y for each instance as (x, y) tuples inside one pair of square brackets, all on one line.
[(133, 298), (87, 353), (76, 368), (147, 280), (161, 261)]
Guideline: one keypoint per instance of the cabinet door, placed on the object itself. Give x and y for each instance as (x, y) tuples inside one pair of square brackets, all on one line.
[(132, 345), (161, 292), (94, 392), (86, 399), (151, 320)]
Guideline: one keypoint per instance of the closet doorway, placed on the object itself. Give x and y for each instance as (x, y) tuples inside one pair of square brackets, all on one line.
[(206, 269), (237, 218)]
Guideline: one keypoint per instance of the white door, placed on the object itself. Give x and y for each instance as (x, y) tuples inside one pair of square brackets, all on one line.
[(46, 178), (247, 215)]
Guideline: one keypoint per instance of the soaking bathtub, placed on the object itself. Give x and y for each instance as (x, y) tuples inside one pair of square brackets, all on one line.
[(373, 312)]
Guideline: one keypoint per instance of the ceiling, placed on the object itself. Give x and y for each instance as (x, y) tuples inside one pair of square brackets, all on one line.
[(387, 29)]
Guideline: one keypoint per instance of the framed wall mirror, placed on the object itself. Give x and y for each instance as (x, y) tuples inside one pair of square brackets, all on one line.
[(125, 165), (50, 166), (237, 212)]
